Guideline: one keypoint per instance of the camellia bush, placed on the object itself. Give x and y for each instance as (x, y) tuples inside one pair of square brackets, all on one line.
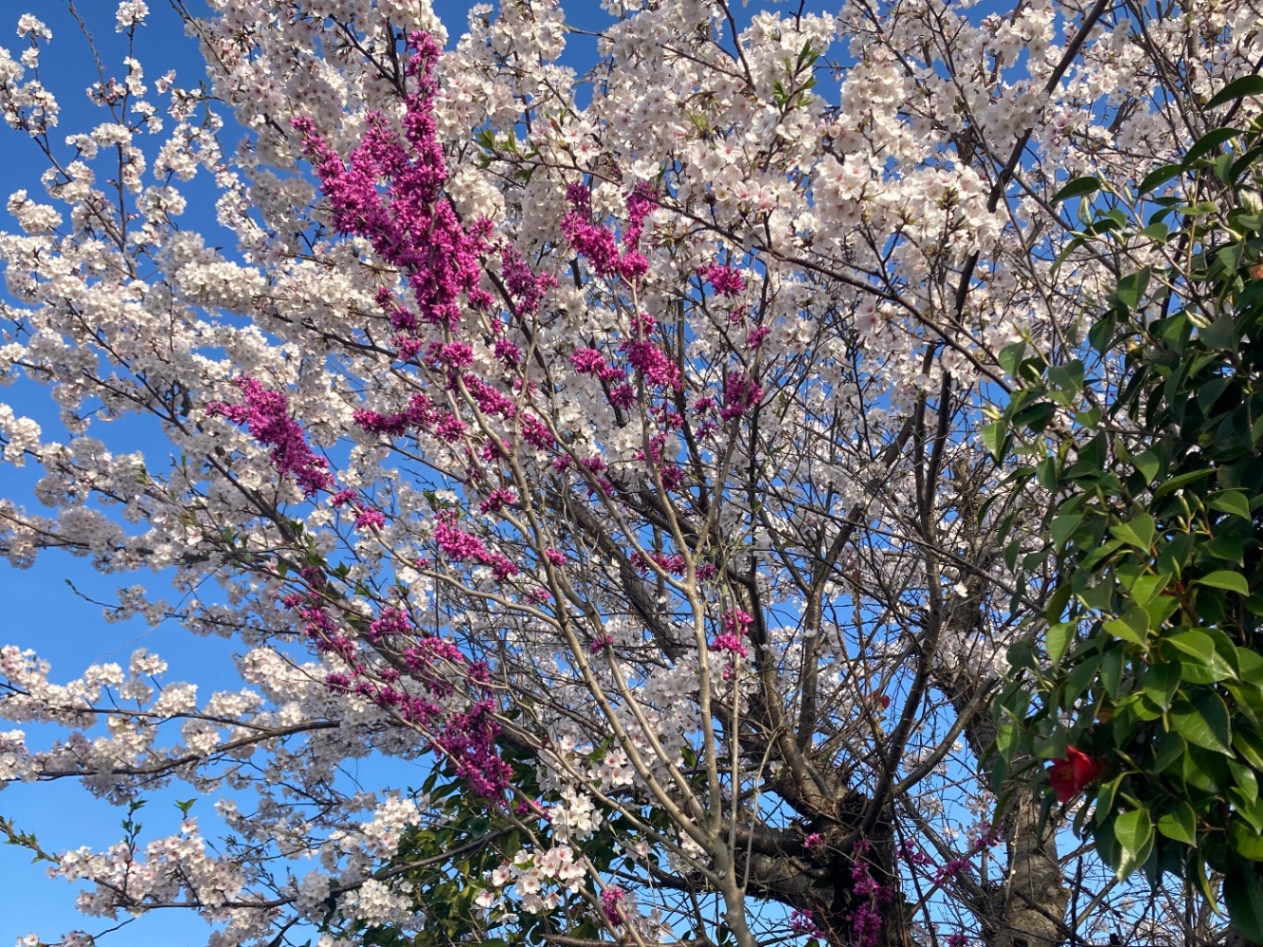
[(604, 439), (1149, 675)]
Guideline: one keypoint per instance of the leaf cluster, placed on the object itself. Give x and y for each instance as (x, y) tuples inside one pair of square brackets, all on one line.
[(1148, 652)]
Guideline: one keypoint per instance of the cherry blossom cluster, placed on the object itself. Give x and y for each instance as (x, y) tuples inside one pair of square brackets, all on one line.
[(504, 408)]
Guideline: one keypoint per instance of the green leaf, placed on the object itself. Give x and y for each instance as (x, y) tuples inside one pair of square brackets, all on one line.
[(1245, 781), (1245, 840), (1063, 527), (1202, 721), (1131, 288), (1225, 579), (1219, 336), (1134, 832), (1243, 896), (1160, 681), (1137, 531), (1010, 357), (994, 436), (1079, 187), (1237, 89), (1148, 464), (1058, 639), (1132, 625), (1180, 824), (1067, 377), (1231, 501), (1112, 671), (1036, 416), (1180, 481), (1195, 643), (1147, 587), (1249, 745), (1158, 177), (1206, 144), (1101, 335)]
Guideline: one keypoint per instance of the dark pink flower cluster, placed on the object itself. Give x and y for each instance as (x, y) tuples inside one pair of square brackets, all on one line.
[(590, 362), (733, 624), (984, 835), (370, 519), (460, 546), (866, 919), (365, 516), (673, 563), (803, 923), (611, 897), (741, 394), (497, 500), (468, 740), (421, 414), (525, 286), (391, 623), (265, 414), (640, 204), (725, 280), (411, 226), (913, 854), (596, 243), (758, 336), (654, 365), (951, 869), (731, 644)]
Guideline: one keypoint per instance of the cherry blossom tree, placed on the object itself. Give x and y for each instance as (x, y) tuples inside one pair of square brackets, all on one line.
[(608, 441)]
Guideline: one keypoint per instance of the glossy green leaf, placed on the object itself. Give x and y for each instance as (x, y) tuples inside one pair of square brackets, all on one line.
[(1206, 144), (1058, 639), (1158, 177), (1237, 89), (1134, 832), (1245, 840), (1137, 531), (1079, 187), (1179, 824), (1231, 501), (1147, 587), (1131, 288), (1160, 682), (1202, 721), (1225, 579), (1180, 481), (993, 438), (1245, 780), (1197, 648), (1250, 745), (1243, 896)]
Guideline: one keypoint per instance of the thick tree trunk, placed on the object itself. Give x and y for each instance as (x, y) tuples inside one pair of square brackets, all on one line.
[(1033, 909)]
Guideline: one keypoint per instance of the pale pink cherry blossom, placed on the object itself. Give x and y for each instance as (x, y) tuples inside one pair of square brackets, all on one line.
[(614, 422)]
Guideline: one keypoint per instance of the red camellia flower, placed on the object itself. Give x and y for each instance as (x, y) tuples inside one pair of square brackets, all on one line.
[(1070, 775)]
